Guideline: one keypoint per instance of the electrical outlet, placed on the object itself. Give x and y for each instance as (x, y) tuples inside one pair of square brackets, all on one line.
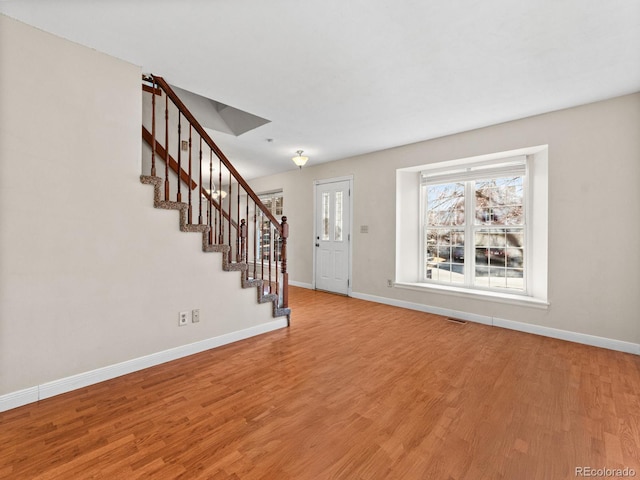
[(195, 315), (182, 319), (389, 283)]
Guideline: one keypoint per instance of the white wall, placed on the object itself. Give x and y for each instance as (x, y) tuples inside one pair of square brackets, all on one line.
[(594, 212), (90, 273)]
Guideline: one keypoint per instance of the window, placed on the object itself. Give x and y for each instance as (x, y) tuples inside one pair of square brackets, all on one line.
[(274, 201), (474, 225)]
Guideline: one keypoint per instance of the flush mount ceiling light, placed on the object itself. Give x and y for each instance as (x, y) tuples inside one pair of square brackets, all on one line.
[(219, 193), (215, 193), (299, 159)]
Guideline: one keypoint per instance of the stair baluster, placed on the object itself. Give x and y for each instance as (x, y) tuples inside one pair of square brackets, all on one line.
[(153, 129), (200, 182), (190, 176), (179, 196)]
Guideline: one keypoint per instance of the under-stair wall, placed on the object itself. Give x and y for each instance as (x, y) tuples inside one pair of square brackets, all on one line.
[(92, 276)]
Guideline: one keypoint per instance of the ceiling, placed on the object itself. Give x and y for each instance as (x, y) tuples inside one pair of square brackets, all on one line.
[(341, 78)]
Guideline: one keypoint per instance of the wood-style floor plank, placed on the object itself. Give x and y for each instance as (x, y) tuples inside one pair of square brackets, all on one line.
[(352, 390)]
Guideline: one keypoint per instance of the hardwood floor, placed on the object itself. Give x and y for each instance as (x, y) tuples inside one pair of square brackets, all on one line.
[(352, 390)]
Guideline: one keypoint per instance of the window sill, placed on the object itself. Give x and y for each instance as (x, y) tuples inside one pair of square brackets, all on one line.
[(498, 297)]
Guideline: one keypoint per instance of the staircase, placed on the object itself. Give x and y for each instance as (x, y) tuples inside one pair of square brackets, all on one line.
[(190, 174)]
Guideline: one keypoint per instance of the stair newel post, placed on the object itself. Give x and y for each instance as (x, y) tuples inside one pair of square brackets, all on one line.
[(261, 225), (276, 258), (210, 207), (243, 239), (245, 250), (270, 249), (283, 259), (153, 128), (238, 252), (166, 148), (179, 196)]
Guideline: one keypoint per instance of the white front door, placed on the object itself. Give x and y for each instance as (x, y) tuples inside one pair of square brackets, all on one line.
[(333, 236)]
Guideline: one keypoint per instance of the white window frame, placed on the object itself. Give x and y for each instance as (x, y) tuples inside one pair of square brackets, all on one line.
[(468, 174), (409, 257)]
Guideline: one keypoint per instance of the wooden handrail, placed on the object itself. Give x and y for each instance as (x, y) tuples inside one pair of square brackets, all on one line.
[(205, 136)]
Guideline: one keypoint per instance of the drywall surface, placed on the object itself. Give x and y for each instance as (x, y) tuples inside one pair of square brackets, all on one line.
[(593, 218), (90, 273)]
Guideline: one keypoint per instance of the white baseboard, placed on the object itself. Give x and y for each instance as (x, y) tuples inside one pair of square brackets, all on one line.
[(293, 283), (19, 398), (586, 339), (445, 312), (67, 384)]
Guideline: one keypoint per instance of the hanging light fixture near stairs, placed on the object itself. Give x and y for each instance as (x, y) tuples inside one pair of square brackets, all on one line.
[(300, 159), (213, 193)]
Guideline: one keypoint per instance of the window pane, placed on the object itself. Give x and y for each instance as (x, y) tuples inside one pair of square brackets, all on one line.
[(482, 276), (445, 204), (445, 255), (265, 240), (497, 278), (499, 201), (499, 256), (338, 226), (482, 257), (482, 238), (515, 279), (273, 202), (514, 257), (325, 215)]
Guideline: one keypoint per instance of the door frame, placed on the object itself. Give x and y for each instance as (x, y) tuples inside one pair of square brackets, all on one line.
[(324, 181)]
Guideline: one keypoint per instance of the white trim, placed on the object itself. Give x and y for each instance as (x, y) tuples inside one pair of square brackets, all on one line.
[(344, 178), (584, 338), (479, 159), (445, 312), (434, 174), (269, 193), (19, 398), (67, 384), (293, 283), (576, 337), (476, 294)]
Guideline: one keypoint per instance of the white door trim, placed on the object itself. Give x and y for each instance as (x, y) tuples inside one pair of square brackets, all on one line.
[(348, 178)]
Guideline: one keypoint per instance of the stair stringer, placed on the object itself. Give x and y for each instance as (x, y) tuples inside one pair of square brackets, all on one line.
[(227, 266)]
